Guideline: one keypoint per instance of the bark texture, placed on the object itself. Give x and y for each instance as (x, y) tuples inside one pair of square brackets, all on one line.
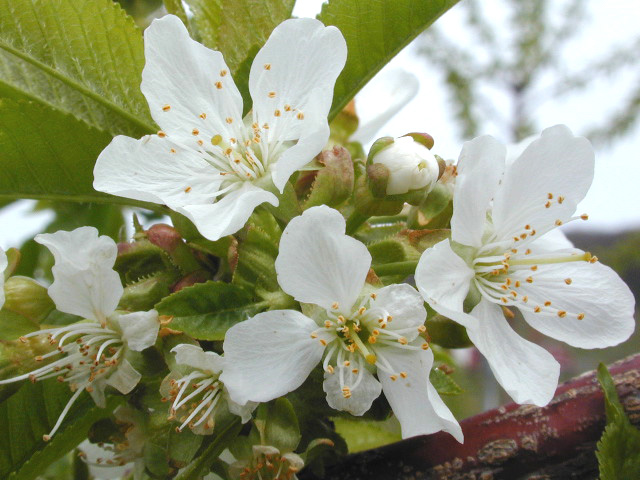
[(513, 442)]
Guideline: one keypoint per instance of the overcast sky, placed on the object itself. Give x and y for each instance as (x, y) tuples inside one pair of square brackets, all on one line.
[(613, 201)]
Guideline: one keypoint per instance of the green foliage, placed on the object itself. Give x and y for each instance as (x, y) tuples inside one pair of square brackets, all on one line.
[(620, 443), (363, 435), (278, 425), (31, 413), (375, 31), (207, 310), (238, 30), (443, 383)]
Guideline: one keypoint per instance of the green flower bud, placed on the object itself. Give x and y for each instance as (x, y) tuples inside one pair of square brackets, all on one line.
[(28, 298)]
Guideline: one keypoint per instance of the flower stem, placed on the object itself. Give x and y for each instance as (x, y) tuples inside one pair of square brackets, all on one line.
[(355, 221), (396, 268)]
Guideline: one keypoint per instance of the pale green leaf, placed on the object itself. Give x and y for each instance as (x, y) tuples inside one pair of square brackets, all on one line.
[(82, 57), (31, 413), (46, 153), (443, 383), (366, 434), (375, 31), (207, 310)]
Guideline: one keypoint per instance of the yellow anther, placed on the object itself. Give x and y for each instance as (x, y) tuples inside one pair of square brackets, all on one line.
[(504, 287), (372, 339), (562, 313), (550, 196), (533, 232), (271, 94), (580, 316), (558, 222), (402, 341), (371, 358), (560, 199), (187, 190), (287, 108), (537, 309), (527, 227), (361, 310), (547, 303), (277, 113), (330, 369), (528, 251), (267, 66), (335, 305), (346, 363), (523, 236), (355, 371), (584, 216), (389, 318), (327, 324), (504, 300), (161, 134), (300, 116), (340, 319), (203, 115), (403, 374), (200, 142), (425, 346), (229, 151), (529, 279), (223, 73), (393, 377), (346, 392), (547, 205), (376, 332), (593, 259), (373, 295), (229, 120), (568, 281), (166, 108), (323, 342), (422, 329), (525, 299), (517, 284), (534, 268), (218, 85), (195, 131)]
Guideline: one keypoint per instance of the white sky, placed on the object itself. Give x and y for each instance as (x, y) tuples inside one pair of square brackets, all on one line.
[(612, 202)]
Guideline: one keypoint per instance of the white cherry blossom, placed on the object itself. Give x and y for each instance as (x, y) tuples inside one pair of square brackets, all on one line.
[(195, 390), (355, 333), (504, 252), (207, 162), (92, 353)]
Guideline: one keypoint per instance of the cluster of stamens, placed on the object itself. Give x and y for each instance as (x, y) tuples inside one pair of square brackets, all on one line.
[(91, 351), (360, 338), (193, 400), (269, 466)]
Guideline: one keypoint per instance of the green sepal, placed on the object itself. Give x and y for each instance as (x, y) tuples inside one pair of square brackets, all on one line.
[(434, 211), (379, 145), (447, 333), (368, 205), (13, 259), (443, 383), (344, 125), (144, 294), (277, 424), (377, 179), (423, 139), (142, 259), (333, 184)]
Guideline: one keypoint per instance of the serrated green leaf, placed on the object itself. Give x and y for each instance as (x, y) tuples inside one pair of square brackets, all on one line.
[(207, 310), (617, 450), (443, 383), (375, 31), (238, 29), (81, 57), (31, 413)]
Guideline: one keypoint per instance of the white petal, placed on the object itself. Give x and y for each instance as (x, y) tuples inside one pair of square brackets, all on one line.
[(125, 377), (85, 283), (298, 66), (526, 371), (139, 329), (147, 170), (557, 165), (361, 397), (193, 356), (443, 278), (243, 411), (318, 263), (381, 99), (480, 169), (553, 241), (404, 304), (3, 265), (595, 290), (269, 355), (414, 401), (230, 213), (182, 74)]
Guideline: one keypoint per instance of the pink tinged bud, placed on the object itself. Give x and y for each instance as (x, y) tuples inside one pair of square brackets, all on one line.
[(164, 236)]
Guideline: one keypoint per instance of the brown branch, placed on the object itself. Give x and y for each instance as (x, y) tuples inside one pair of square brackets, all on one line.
[(511, 442)]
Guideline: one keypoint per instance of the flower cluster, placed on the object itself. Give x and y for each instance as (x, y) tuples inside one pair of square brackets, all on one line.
[(298, 281)]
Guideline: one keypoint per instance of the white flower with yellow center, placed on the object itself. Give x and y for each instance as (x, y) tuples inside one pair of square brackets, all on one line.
[(359, 333), (196, 392), (207, 162), (497, 258), (93, 353)]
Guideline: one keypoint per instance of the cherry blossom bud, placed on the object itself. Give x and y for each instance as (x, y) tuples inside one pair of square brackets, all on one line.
[(410, 164)]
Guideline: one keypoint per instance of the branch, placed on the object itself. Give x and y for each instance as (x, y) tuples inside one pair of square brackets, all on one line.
[(511, 442)]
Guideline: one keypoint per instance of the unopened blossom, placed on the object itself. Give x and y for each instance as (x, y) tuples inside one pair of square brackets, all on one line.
[(195, 391), (354, 333), (91, 354), (411, 166), (503, 254), (207, 162)]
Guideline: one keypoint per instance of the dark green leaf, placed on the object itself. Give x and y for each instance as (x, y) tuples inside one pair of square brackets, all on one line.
[(29, 414), (207, 310), (375, 30)]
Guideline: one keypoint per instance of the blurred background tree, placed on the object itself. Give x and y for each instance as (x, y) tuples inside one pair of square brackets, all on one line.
[(516, 51)]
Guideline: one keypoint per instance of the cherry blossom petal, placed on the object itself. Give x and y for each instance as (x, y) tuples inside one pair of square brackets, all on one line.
[(139, 329), (148, 170), (124, 378), (480, 167), (596, 293), (193, 356), (318, 263), (230, 213), (361, 397), (443, 278), (526, 371), (544, 184), (414, 401), (405, 305), (242, 411), (297, 67), (85, 283), (183, 79), (269, 355)]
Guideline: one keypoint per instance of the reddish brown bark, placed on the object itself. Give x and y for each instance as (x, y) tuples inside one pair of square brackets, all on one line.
[(511, 442)]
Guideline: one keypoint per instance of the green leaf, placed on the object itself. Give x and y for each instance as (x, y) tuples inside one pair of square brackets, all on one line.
[(366, 434), (238, 29), (31, 413), (278, 425), (443, 383), (617, 450), (375, 31), (207, 310), (81, 57)]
